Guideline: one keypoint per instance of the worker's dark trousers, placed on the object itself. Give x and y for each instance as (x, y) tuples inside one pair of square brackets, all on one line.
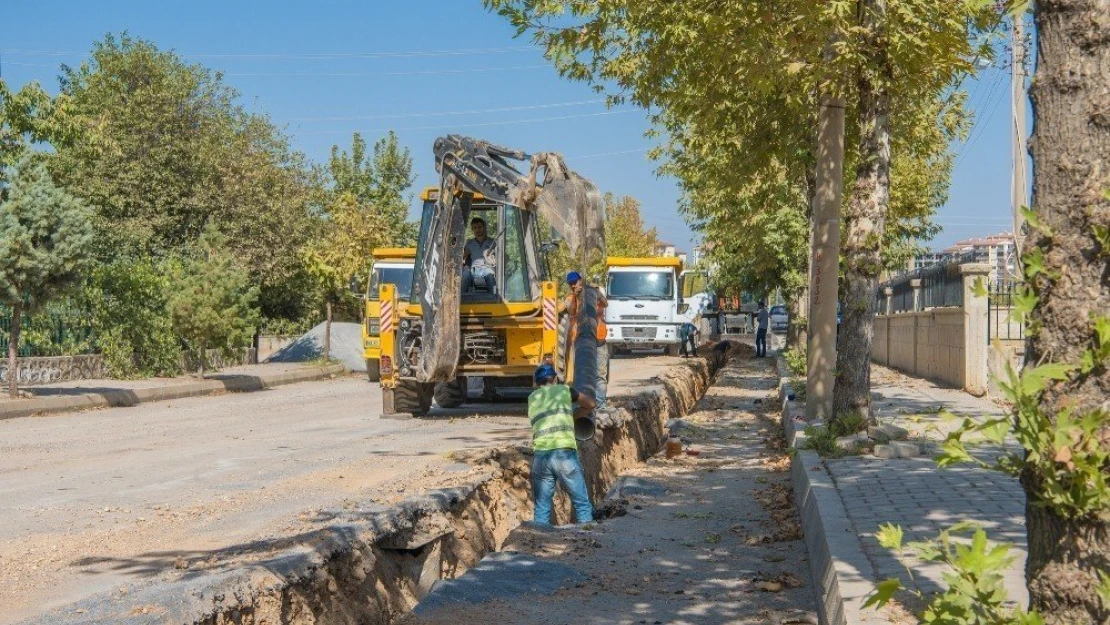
[(761, 342)]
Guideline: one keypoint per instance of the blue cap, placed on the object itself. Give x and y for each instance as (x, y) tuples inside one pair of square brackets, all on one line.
[(543, 372), (573, 277)]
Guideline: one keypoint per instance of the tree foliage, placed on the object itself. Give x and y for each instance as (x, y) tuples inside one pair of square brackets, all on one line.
[(45, 244), (366, 208), (160, 148), (211, 299)]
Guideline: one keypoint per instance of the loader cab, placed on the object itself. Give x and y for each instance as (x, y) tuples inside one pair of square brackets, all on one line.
[(503, 264)]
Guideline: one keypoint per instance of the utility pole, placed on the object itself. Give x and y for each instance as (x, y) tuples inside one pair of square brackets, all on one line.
[(1020, 178), (825, 259)]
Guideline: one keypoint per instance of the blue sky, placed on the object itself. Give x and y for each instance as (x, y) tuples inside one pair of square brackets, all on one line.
[(326, 69)]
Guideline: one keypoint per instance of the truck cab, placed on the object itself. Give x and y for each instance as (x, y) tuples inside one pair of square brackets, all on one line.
[(645, 303), (392, 265)]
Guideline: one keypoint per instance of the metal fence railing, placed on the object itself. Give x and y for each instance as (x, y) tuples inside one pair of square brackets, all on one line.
[(52, 332), (942, 285), (1000, 305)]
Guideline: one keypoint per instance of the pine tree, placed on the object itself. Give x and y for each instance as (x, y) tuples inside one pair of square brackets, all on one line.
[(45, 244), (211, 299)]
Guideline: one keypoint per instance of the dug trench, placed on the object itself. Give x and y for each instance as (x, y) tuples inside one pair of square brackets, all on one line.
[(374, 566)]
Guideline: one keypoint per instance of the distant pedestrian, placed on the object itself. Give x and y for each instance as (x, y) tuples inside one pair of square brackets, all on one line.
[(687, 333), (762, 318)]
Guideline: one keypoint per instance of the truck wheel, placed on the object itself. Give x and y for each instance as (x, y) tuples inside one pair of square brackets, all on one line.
[(408, 399), (672, 350), (450, 394), (373, 370)]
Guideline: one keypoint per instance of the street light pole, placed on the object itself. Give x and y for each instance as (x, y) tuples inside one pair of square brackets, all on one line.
[(821, 339), (1020, 180)]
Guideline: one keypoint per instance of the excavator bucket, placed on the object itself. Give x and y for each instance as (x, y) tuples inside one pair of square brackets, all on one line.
[(441, 289), (573, 206)]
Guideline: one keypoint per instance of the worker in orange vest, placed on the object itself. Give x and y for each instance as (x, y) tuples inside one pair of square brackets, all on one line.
[(577, 284)]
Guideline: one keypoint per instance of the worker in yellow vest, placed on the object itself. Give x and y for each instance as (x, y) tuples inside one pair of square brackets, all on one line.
[(555, 460)]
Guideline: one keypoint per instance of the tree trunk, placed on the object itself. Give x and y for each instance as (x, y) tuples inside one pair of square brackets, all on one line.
[(327, 333), (865, 220), (796, 336), (13, 352), (203, 358), (1071, 151)]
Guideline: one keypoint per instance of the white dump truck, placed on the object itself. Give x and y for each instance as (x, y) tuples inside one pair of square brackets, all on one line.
[(645, 304)]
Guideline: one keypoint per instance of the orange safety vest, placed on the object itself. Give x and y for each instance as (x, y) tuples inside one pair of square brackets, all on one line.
[(572, 308)]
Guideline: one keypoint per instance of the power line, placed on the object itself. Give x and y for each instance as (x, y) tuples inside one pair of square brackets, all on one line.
[(476, 125), (636, 151), (446, 113), (430, 72), (305, 55)]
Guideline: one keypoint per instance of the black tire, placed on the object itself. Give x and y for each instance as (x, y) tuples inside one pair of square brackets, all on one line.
[(373, 370), (408, 399), (672, 350), (450, 394)]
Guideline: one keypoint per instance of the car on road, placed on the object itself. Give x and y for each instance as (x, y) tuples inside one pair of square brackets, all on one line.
[(780, 319)]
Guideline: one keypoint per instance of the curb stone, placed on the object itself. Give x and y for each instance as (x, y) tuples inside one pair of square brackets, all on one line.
[(837, 561), (134, 397)]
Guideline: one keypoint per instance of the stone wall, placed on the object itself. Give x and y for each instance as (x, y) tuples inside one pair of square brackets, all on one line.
[(34, 370), (219, 360)]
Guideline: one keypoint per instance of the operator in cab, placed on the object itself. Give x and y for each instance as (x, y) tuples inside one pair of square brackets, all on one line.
[(555, 459), (480, 258)]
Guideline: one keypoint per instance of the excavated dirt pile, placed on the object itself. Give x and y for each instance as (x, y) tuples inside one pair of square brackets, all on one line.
[(373, 565)]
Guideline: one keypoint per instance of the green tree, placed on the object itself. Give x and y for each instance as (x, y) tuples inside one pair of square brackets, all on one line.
[(625, 233), (379, 181), (738, 81), (133, 329), (366, 208), (161, 148), (45, 245), (211, 298), (26, 118)]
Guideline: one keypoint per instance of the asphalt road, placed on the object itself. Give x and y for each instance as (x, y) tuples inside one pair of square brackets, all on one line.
[(93, 501)]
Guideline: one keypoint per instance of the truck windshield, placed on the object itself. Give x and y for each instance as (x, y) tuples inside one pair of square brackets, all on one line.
[(640, 285), (400, 277)]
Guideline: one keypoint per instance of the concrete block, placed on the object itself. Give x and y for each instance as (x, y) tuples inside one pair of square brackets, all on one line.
[(886, 433), (851, 441), (906, 450), (897, 449)]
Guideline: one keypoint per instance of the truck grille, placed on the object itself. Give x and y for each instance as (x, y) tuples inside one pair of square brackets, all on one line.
[(639, 317), (638, 333)]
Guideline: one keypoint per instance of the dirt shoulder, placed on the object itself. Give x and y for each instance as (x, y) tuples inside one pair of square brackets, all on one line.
[(710, 538)]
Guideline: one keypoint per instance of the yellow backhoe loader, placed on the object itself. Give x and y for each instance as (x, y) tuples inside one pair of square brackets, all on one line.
[(501, 323)]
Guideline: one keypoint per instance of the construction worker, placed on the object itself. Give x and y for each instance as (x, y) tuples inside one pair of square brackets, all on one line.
[(551, 412), (577, 284), (480, 258)]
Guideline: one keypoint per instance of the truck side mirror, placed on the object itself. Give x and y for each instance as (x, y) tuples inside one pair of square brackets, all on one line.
[(683, 308)]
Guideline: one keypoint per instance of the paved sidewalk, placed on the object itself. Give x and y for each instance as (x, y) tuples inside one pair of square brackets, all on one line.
[(917, 494), (709, 539)]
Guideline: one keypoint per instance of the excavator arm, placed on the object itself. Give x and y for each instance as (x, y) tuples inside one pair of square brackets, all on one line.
[(539, 183)]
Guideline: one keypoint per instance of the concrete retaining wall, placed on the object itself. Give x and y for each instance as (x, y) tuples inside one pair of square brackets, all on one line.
[(930, 344), (47, 369)]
